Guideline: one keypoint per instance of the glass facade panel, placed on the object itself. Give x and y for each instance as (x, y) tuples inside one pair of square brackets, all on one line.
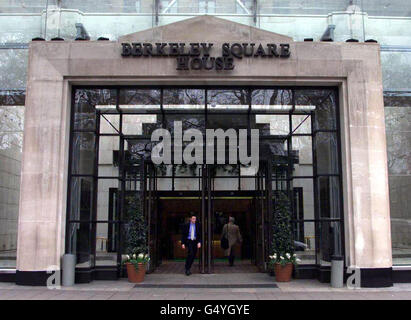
[(139, 101), (80, 235), (326, 148), (109, 124), (83, 154), (13, 68), (304, 234), (228, 100), (81, 197), (86, 104), (106, 244), (271, 100), (303, 199), (124, 149), (106, 199), (322, 102), (108, 150), (329, 197), (396, 70), (398, 133), (184, 100), (303, 152), (11, 143)]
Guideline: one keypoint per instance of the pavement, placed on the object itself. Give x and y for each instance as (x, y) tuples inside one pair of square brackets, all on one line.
[(255, 286)]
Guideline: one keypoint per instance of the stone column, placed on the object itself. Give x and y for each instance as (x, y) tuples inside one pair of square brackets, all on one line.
[(43, 177)]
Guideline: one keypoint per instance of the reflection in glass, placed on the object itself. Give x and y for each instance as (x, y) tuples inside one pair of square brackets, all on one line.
[(273, 124), (140, 124), (304, 198), (81, 198), (301, 124), (80, 238), (326, 148), (87, 101), (107, 188), (106, 251), (398, 134), (108, 148), (109, 124), (278, 100), (183, 99), (11, 143), (325, 104), (302, 148), (83, 153), (227, 100), (304, 235), (139, 149), (329, 197), (139, 100)]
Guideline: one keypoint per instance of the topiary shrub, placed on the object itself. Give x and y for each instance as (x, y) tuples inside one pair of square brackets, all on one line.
[(137, 227)]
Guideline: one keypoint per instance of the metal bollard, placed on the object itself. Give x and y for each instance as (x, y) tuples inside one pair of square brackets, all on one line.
[(337, 271), (69, 267)]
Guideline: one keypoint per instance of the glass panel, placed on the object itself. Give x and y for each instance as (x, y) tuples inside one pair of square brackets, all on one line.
[(396, 69), (227, 101), (139, 100), (330, 241), (271, 100), (279, 177), (326, 148), (110, 124), (137, 150), (11, 141), (247, 183), (304, 237), (181, 184), (13, 67), (398, 133), (106, 199), (302, 148), (107, 152), (273, 124), (322, 102), (301, 124), (81, 198), (106, 244), (87, 101), (192, 121), (141, 124), (83, 153), (222, 177), (303, 199), (80, 241), (184, 100), (165, 184), (329, 197)]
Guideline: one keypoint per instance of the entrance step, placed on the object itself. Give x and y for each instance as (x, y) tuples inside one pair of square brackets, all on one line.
[(177, 267), (233, 280), (208, 286)]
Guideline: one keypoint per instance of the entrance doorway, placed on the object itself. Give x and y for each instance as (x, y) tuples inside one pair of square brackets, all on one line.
[(174, 212), (112, 177)]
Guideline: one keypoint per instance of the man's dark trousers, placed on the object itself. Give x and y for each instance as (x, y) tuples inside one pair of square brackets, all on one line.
[(191, 253)]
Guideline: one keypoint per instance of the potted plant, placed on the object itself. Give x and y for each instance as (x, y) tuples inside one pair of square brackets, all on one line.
[(136, 266), (282, 256), (137, 256)]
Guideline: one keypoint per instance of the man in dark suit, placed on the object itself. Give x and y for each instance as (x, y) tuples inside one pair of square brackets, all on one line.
[(191, 239)]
